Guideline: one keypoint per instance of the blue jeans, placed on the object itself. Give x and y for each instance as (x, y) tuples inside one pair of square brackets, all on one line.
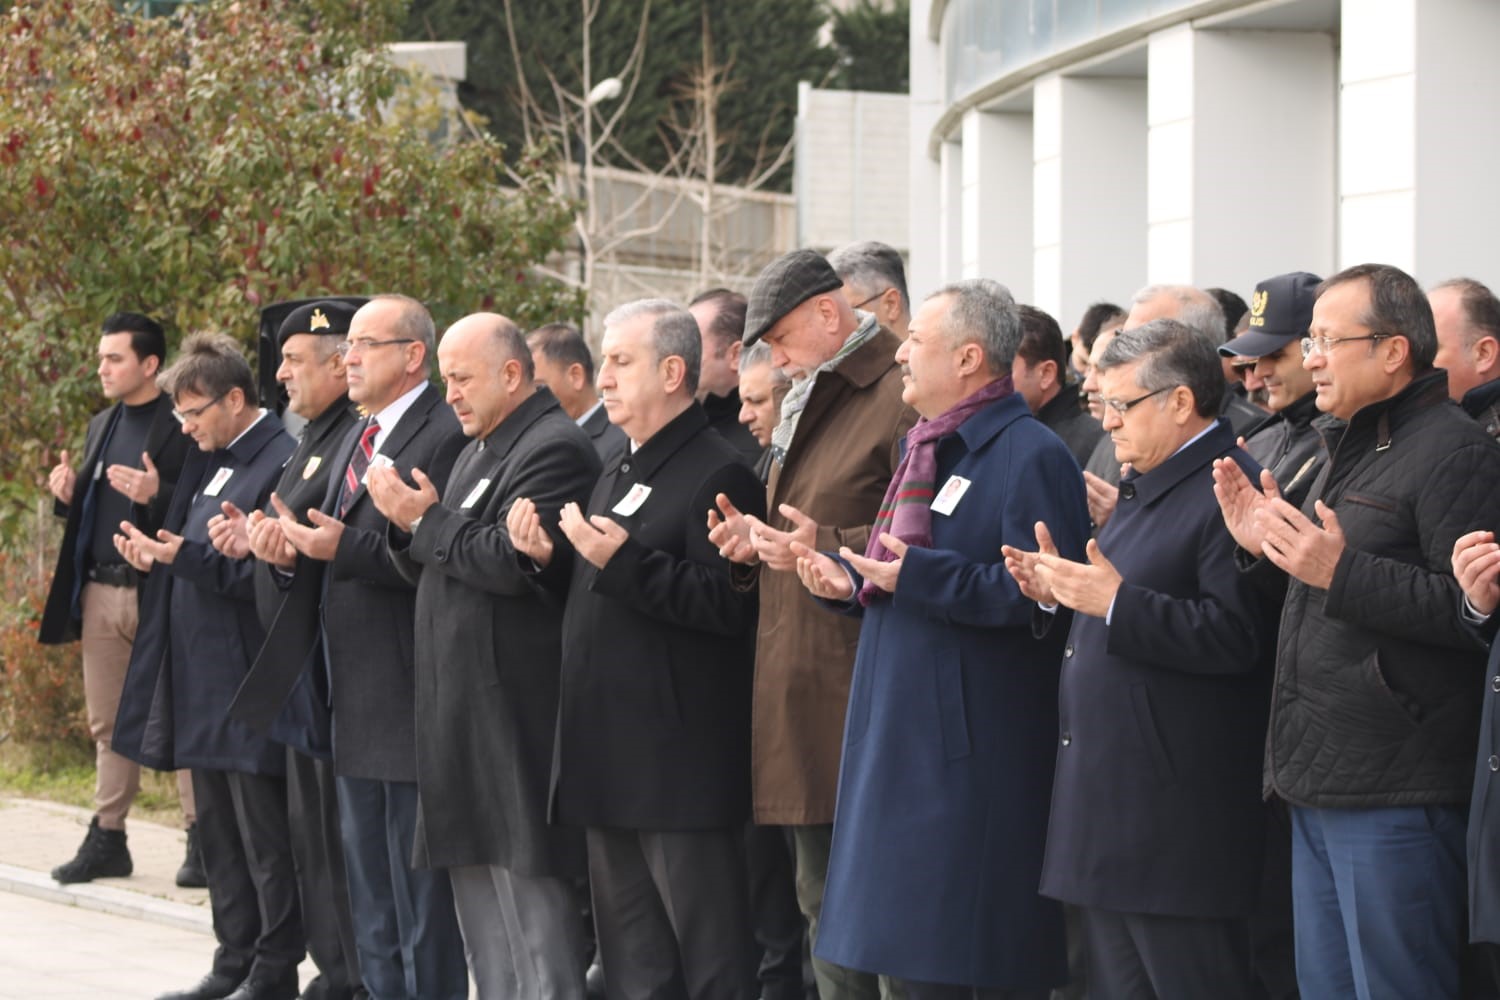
[(1378, 901)]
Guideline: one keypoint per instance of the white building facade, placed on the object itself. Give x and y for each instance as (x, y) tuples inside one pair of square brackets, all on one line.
[(1079, 149)]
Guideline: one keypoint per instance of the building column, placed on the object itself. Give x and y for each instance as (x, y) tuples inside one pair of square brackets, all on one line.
[(1240, 155), (997, 221), (950, 213), (1089, 192), (925, 265), (1418, 153)]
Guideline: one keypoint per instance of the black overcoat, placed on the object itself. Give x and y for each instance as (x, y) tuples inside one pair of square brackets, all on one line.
[(658, 647), (286, 692), (489, 650)]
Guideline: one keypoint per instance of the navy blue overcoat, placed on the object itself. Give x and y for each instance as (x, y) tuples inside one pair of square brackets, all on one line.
[(951, 732), (199, 631), (1157, 805)]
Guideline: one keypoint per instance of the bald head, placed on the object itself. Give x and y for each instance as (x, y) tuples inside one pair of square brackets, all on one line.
[(487, 370), (1192, 307)]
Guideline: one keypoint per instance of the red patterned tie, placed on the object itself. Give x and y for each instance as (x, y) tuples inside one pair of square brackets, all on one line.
[(359, 464)]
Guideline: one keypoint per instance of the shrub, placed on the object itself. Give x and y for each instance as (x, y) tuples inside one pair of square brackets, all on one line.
[(41, 687)]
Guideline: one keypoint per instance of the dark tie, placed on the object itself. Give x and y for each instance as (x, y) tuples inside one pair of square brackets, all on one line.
[(359, 464)]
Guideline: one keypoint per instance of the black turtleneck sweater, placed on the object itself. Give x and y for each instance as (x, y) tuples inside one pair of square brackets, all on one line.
[(127, 440)]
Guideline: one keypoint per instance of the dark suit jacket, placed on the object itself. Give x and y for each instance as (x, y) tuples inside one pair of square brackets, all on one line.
[(168, 447), (286, 692), (724, 417), (368, 606), (1067, 418), (1156, 805), (489, 650), (653, 729), (199, 629), (606, 437)]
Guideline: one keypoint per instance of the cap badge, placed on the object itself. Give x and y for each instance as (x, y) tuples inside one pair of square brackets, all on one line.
[(318, 321), (1258, 308)]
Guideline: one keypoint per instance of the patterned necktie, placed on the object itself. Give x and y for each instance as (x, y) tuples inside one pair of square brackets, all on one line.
[(359, 464)]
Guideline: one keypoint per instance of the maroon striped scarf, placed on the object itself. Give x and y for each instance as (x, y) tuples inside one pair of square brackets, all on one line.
[(906, 511)]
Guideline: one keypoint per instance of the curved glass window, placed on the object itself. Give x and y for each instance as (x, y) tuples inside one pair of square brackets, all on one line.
[(983, 39)]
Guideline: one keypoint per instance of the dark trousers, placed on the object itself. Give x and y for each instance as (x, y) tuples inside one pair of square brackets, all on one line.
[(405, 927), (671, 914), (1379, 896), (1138, 956), (313, 814), (1273, 950), (252, 882), (775, 919)]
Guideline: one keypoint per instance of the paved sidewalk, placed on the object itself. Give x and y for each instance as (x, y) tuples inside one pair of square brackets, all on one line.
[(60, 952), (36, 836), (119, 937)]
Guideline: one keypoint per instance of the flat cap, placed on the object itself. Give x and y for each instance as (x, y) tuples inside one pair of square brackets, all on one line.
[(785, 284), (1280, 312), (321, 318)]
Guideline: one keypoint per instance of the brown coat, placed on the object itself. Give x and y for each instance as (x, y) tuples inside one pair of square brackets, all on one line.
[(836, 471)]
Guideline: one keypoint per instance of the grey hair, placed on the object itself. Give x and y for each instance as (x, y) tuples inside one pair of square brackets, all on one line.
[(983, 311), (1170, 354), (412, 322), (1196, 309), (872, 267), (759, 353), (673, 334)]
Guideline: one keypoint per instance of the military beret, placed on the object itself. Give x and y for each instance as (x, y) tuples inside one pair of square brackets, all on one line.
[(785, 284), (329, 319)]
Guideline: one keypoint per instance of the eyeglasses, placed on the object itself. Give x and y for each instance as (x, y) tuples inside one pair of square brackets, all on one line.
[(183, 416), (347, 347), (1320, 345), (1243, 364), (1122, 406), (872, 298)]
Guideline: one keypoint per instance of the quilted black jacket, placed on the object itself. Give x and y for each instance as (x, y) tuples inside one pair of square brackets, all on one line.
[(1292, 445), (1377, 691)]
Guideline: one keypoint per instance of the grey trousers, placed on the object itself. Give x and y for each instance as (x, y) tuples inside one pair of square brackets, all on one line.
[(523, 935)]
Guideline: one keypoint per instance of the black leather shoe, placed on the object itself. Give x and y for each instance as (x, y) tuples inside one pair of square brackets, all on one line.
[(191, 874), (215, 986), (262, 988), (102, 854)]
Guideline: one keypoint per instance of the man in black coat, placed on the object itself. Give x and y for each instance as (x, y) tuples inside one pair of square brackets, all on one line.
[(1374, 717), (1040, 373), (721, 320), (653, 750), (1290, 446), (312, 371), (1467, 317), (405, 929), (1156, 826), (564, 364), (132, 454), (199, 632), (489, 651)]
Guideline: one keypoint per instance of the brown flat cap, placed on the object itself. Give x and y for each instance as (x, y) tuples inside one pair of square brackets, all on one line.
[(785, 284)]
